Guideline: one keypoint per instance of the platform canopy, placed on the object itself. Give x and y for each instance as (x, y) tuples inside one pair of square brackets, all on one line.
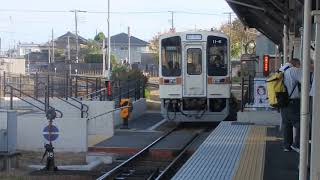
[(269, 16)]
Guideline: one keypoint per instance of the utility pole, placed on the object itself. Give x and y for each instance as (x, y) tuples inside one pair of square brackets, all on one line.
[(104, 57), (230, 33), (109, 43), (52, 46), (49, 52), (29, 63), (69, 58), (129, 47), (172, 24), (0, 47), (77, 37), (76, 27), (229, 22)]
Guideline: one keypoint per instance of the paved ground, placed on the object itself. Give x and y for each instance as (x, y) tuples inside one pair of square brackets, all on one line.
[(145, 121), (130, 139), (34, 158), (279, 165)]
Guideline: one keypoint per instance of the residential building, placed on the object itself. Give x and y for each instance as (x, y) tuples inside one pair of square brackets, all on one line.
[(67, 41), (25, 48), (120, 44)]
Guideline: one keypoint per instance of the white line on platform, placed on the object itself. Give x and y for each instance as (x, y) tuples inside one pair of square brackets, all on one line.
[(157, 125)]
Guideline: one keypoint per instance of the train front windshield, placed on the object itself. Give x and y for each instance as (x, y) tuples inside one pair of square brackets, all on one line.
[(217, 56), (171, 56)]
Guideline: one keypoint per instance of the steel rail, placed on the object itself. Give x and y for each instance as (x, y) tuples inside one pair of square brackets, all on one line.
[(118, 168)]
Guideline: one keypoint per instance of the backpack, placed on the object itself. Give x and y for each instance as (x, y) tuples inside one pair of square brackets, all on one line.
[(277, 93)]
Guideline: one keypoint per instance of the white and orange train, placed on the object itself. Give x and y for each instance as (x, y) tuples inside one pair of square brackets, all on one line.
[(195, 76)]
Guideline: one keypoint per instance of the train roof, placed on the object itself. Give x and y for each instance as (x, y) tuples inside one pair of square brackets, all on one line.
[(203, 33)]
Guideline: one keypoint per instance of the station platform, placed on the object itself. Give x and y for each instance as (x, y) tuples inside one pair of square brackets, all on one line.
[(145, 123), (142, 132), (241, 151), (131, 142)]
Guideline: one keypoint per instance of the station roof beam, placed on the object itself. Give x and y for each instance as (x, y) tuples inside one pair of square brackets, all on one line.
[(269, 16)]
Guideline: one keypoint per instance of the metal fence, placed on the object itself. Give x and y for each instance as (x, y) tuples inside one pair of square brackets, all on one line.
[(66, 86)]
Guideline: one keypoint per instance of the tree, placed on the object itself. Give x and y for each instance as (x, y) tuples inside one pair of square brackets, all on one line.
[(99, 37), (239, 36), (92, 47), (154, 43), (154, 46)]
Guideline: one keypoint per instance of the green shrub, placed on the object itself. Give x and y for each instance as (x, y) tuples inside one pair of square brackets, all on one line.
[(93, 58), (123, 73)]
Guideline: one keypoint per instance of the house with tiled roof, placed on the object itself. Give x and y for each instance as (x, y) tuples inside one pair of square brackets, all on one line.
[(119, 47)]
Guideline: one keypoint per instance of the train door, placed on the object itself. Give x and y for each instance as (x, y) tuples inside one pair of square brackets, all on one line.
[(194, 71)]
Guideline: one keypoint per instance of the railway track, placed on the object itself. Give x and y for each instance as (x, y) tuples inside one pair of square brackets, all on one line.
[(143, 166)]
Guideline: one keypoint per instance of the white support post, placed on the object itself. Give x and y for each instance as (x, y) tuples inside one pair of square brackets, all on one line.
[(304, 112), (291, 45), (285, 44), (315, 145)]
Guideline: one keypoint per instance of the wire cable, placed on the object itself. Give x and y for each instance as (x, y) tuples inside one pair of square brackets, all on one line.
[(111, 12)]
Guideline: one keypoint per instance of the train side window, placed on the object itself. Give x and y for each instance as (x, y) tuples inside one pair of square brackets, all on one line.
[(194, 61), (171, 57), (217, 56)]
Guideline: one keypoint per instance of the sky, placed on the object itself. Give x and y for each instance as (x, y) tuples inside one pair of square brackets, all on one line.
[(33, 20)]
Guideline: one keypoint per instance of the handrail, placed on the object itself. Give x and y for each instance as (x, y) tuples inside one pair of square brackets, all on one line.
[(75, 99), (62, 99), (13, 88), (31, 104), (78, 87), (95, 92), (105, 113), (80, 108), (125, 93)]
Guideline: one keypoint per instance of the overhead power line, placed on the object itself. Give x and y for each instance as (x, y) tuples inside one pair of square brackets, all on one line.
[(112, 12), (128, 12), (32, 10)]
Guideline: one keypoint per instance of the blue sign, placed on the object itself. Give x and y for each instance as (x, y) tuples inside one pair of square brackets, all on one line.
[(54, 133)]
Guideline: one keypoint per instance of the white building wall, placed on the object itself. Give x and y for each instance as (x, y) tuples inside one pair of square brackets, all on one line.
[(12, 65), (24, 49), (104, 124), (72, 134), (73, 130)]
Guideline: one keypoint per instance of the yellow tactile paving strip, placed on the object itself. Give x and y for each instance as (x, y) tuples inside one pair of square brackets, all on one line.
[(95, 139), (251, 164)]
